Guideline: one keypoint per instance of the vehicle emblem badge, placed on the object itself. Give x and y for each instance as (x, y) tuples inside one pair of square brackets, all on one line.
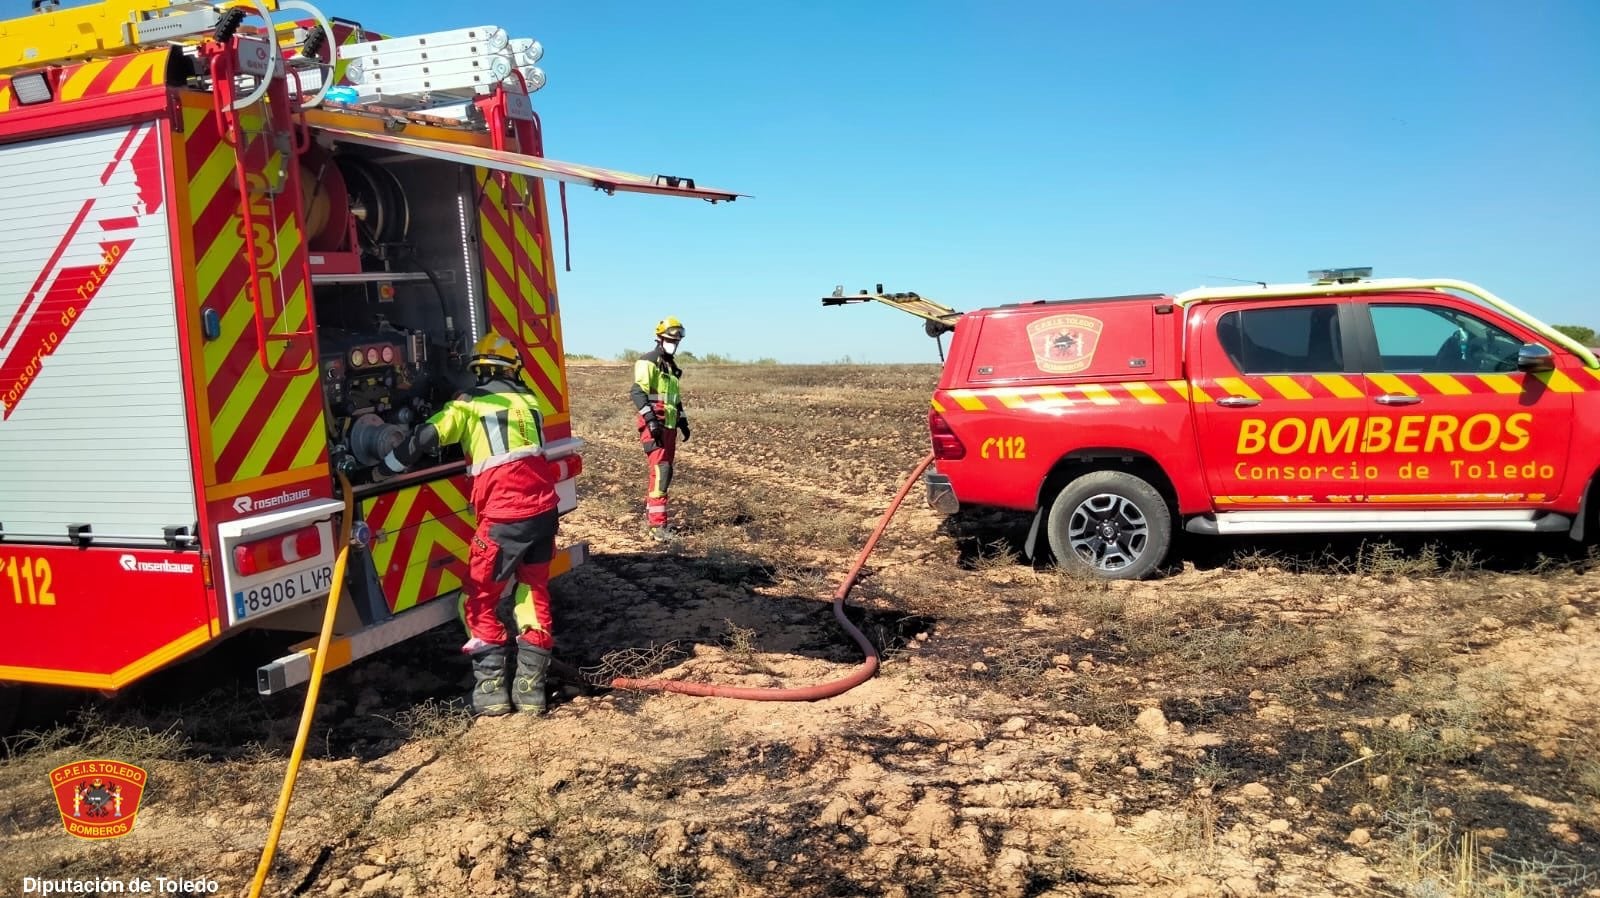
[(1064, 344)]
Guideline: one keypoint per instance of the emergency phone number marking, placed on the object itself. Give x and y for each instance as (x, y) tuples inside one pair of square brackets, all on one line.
[(30, 577), (304, 584), (1004, 447)]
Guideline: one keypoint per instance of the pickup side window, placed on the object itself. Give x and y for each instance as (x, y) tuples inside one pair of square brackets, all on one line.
[(1427, 339), (1286, 340)]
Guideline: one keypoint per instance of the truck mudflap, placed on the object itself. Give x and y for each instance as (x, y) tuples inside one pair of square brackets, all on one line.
[(294, 669), (99, 617)]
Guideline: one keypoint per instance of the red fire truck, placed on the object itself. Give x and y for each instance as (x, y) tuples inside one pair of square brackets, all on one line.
[(247, 247), (1344, 404)]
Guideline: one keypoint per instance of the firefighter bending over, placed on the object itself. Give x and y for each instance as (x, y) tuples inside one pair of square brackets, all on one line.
[(661, 418), (499, 427)]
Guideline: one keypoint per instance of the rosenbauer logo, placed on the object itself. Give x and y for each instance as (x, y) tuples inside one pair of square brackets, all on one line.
[(247, 504), (134, 565), (1064, 344), (98, 799)]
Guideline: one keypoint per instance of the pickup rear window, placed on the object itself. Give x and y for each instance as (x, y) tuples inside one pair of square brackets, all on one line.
[(1285, 340)]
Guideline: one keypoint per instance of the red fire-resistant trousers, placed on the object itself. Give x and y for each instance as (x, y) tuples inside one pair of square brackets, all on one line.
[(655, 503), (502, 550)]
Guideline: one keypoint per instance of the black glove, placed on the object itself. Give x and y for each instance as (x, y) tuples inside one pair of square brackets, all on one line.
[(683, 428)]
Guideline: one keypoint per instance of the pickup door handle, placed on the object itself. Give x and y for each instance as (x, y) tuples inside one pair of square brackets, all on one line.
[(1398, 399), (1237, 402)]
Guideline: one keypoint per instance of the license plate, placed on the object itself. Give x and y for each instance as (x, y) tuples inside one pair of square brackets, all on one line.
[(286, 590)]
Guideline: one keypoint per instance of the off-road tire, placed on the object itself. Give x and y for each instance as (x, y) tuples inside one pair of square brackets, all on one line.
[(1124, 503)]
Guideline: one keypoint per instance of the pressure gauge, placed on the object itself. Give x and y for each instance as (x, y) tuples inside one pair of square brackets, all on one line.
[(372, 355), (388, 355), (356, 358)]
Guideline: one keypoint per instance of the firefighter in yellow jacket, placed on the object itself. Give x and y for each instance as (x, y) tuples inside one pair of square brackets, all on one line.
[(659, 402), (500, 428)]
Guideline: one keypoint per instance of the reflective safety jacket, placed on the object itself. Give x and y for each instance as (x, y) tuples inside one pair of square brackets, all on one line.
[(655, 387), (501, 430)]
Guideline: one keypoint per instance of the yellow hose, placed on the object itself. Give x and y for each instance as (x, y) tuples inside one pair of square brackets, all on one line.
[(318, 663)]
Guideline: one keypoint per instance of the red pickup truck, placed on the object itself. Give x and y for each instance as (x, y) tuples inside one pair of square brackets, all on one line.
[(1345, 404)]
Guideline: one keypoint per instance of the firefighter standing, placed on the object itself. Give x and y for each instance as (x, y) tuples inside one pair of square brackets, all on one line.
[(657, 398), (499, 426)]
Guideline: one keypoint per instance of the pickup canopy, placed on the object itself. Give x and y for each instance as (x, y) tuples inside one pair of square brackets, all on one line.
[(604, 179)]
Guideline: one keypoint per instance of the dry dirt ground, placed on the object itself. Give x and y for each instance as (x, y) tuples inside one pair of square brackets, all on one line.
[(1361, 718)]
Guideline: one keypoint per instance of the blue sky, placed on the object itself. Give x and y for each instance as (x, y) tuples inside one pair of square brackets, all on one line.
[(989, 152)]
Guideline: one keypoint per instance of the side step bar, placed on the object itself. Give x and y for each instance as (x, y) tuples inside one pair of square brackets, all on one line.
[(295, 669), (1370, 521)]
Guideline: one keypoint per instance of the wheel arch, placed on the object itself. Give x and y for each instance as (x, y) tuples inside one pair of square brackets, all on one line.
[(1078, 462)]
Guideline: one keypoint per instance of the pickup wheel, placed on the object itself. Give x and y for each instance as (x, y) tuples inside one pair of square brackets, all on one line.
[(1109, 524)]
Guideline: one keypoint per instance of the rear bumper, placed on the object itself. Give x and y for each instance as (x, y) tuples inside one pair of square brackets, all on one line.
[(941, 496)]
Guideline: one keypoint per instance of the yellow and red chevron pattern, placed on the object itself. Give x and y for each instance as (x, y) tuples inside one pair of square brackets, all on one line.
[(254, 425), (1272, 386), (421, 539), (101, 78), (517, 282)]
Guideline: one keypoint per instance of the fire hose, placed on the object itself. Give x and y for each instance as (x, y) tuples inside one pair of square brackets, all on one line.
[(861, 674), (319, 662)]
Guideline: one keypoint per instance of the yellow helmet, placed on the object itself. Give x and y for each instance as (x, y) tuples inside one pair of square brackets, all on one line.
[(496, 351), (669, 328)]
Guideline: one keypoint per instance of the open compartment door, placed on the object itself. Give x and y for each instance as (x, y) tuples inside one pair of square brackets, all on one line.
[(937, 318), (533, 166)]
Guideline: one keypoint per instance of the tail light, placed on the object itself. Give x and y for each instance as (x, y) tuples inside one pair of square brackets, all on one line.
[(276, 551), (946, 445), (567, 467)]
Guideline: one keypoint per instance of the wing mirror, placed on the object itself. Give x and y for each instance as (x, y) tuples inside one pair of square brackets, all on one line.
[(1535, 357)]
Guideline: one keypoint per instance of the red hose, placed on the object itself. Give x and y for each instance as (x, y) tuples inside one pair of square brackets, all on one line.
[(840, 686)]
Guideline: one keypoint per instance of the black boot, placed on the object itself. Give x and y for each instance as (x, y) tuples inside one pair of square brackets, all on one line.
[(489, 694), (527, 687)]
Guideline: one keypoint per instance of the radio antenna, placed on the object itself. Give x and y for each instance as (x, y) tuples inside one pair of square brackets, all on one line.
[(1240, 280)]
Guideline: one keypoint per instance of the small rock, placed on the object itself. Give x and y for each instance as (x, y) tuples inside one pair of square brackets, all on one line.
[(1240, 886), (979, 667), (365, 871), (1490, 622), (834, 813), (1380, 782), (1255, 791), (1279, 825), (337, 887), (1257, 695), (1358, 837), (1361, 811), (1014, 725), (1152, 722), (376, 884), (1062, 661), (1011, 872), (1569, 610), (1130, 771), (1402, 722), (923, 636), (1443, 813)]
